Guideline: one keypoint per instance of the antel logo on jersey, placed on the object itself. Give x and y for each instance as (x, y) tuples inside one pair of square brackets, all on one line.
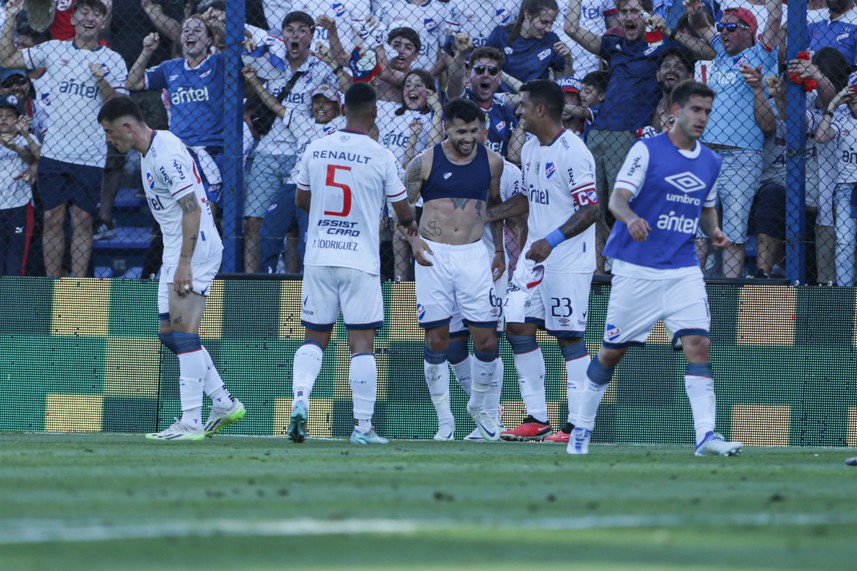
[(550, 169), (686, 182), (150, 180)]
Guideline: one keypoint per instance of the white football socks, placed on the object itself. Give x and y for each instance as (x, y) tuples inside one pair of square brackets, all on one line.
[(305, 369), (192, 371), (703, 404), (531, 378)]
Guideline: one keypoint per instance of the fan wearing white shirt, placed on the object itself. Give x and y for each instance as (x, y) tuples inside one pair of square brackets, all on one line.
[(80, 75)]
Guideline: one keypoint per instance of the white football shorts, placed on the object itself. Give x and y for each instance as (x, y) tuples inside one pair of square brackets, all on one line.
[(326, 291), (202, 276)]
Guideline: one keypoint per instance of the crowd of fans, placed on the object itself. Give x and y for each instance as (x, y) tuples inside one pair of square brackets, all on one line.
[(616, 63)]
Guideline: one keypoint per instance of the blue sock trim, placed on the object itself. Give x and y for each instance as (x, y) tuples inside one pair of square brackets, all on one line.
[(316, 343), (598, 373), (434, 358), (168, 341), (164, 316), (456, 351), (489, 357), (186, 342), (362, 354), (700, 370), (522, 343), (574, 351)]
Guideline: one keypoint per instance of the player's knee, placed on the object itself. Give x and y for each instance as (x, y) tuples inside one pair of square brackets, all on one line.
[(522, 343), (168, 341), (437, 342), (696, 347), (486, 344), (186, 342), (434, 357), (456, 352)]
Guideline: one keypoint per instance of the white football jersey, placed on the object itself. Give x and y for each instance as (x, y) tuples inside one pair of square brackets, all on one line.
[(14, 192), (350, 176), (558, 179), (432, 20), (349, 15), (73, 98), (169, 173), (510, 185)]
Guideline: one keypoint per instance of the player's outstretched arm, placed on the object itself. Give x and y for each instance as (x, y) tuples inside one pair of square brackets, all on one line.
[(638, 227), (515, 206)]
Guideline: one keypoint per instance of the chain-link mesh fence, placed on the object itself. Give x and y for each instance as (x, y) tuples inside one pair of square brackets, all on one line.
[(74, 206)]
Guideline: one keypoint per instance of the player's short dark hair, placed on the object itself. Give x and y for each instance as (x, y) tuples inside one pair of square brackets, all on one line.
[(487, 52), (120, 106), (596, 79), (684, 57), (407, 33), (689, 88), (94, 4), (548, 94), (463, 109), (360, 98), (299, 17)]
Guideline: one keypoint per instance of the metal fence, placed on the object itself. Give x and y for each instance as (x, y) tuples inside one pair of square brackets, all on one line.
[(782, 118)]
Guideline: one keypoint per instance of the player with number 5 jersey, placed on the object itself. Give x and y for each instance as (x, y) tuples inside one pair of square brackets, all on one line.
[(550, 287), (343, 181)]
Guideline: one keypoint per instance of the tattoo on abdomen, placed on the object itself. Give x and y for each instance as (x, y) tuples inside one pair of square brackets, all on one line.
[(432, 228), (459, 203)]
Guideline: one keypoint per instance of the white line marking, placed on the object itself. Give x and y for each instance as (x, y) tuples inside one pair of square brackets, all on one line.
[(49, 531)]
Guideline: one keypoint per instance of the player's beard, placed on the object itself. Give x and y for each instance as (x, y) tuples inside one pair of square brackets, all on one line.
[(458, 149)]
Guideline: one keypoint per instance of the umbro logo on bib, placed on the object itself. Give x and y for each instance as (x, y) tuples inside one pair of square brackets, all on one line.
[(686, 182), (446, 175)]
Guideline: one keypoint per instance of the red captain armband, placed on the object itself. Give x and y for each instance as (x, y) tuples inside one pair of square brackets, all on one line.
[(585, 194)]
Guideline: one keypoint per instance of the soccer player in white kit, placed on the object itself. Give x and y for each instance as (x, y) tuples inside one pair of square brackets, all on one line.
[(343, 181), (550, 287), (665, 191), (192, 255)]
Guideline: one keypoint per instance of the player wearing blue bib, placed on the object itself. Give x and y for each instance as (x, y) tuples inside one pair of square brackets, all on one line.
[(664, 192)]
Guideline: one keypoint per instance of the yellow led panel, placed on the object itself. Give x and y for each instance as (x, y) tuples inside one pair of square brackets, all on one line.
[(73, 413), (81, 306), (766, 315), (761, 425), (319, 421)]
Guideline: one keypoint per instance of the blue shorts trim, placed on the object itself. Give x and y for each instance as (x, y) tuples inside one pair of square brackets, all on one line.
[(481, 324), (539, 322), (623, 345), (164, 316), (567, 334), (364, 326), (436, 323), (318, 326)]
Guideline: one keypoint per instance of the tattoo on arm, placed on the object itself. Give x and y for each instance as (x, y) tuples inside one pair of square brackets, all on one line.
[(414, 178), (478, 207), (188, 203), (581, 220)]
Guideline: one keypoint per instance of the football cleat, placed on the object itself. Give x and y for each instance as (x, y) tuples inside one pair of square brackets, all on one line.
[(178, 431), (370, 437), (714, 445), (561, 435), (851, 461), (218, 420), (529, 429), (297, 423), (445, 432), (578, 441)]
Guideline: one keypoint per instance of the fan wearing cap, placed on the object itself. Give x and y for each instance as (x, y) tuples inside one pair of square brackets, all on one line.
[(80, 75), (19, 150), (733, 130), (583, 99), (282, 215), (571, 93)]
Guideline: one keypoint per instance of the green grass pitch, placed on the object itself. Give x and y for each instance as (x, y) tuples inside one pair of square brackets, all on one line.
[(115, 501)]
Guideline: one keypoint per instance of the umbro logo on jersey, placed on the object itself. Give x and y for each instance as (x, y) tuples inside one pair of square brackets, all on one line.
[(544, 53), (446, 175), (173, 77), (19, 229), (686, 182), (205, 74)]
